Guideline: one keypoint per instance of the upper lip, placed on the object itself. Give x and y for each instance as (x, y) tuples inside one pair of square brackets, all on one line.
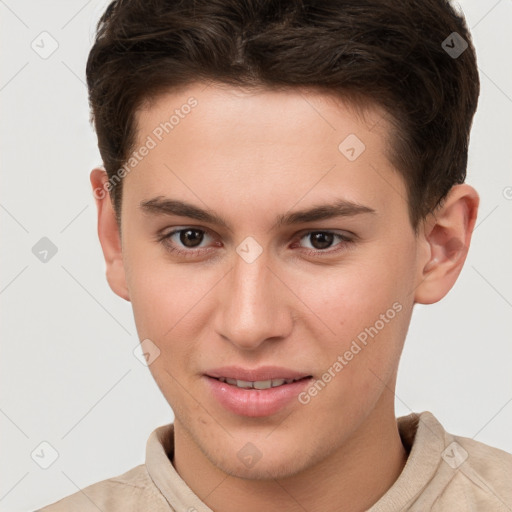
[(256, 374)]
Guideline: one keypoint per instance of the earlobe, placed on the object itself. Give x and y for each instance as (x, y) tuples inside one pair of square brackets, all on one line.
[(109, 235), (447, 232)]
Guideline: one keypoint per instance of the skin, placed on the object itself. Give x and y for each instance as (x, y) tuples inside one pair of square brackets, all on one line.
[(249, 156)]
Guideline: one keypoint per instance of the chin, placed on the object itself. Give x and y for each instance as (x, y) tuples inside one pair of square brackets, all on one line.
[(278, 466)]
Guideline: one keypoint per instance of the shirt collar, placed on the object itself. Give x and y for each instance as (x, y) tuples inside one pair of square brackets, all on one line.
[(159, 453), (422, 436)]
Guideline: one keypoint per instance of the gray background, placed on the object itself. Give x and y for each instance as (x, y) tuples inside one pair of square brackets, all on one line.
[(68, 373)]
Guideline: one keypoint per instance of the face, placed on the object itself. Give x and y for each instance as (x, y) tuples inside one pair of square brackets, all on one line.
[(306, 261)]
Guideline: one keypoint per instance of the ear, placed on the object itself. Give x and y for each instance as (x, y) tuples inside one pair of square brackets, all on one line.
[(447, 234), (109, 234)]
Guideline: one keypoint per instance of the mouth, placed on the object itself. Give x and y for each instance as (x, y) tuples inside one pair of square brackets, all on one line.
[(263, 395), (259, 384)]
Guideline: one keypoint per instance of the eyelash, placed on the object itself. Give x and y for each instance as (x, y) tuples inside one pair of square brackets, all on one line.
[(165, 241)]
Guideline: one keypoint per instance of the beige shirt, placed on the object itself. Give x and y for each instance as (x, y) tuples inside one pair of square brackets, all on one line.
[(443, 473)]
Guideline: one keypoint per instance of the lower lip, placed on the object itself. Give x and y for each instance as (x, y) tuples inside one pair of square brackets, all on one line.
[(255, 402)]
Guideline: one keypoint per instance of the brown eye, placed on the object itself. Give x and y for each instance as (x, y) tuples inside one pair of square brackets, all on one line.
[(191, 237), (321, 240), (188, 241)]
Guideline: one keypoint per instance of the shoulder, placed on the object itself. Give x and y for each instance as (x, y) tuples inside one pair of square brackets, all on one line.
[(471, 474), (130, 491), (486, 457), (488, 469)]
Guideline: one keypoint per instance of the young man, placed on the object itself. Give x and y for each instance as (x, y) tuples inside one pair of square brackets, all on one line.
[(284, 181)]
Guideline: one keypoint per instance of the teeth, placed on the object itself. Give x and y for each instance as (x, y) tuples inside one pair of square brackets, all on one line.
[(259, 384), (263, 384), (243, 384)]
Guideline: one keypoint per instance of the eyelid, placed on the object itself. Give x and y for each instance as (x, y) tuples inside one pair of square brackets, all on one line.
[(163, 235), (343, 238), (299, 234), (340, 232), (167, 232), (346, 238)]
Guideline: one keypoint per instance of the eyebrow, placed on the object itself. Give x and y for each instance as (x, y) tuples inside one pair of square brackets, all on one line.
[(340, 208)]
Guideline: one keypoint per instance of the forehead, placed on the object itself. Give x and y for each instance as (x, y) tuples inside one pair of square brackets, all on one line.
[(213, 141), (258, 115)]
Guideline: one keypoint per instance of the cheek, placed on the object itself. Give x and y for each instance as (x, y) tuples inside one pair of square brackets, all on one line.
[(161, 292), (165, 302), (368, 314), (367, 307), (350, 299)]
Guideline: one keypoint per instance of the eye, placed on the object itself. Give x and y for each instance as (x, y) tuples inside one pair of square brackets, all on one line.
[(191, 241), (186, 241), (322, 240)]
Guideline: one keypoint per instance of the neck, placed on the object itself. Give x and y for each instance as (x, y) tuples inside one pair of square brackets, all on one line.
[(352, 478)]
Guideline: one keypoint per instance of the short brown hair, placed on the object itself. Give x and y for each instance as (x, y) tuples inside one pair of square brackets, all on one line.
[(388, 53)]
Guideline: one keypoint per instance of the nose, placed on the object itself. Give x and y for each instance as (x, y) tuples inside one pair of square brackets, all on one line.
[(254, 306)]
